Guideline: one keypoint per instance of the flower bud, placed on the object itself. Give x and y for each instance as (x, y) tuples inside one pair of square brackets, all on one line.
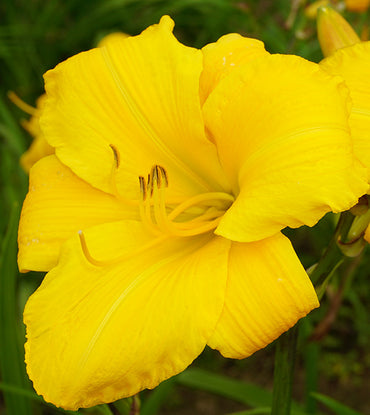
[(333, 31), (310, 11), (357, 5), (355, 242)]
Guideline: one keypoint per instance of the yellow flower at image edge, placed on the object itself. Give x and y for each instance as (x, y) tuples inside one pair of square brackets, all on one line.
[(350, 59), (159, 216), (39, 147)]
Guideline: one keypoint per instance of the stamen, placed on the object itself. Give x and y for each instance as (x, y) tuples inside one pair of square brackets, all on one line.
[(200, 199), (142, 187), (150, 183), (160, 213), (123, 257), (164, 175), (144, 208), (153, 210), (211, 213), (21, 104), (208, 226), (116, 155), (115, 166)]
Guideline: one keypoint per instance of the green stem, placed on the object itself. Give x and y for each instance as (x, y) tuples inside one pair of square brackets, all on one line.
[(332, 255), (283, 374)]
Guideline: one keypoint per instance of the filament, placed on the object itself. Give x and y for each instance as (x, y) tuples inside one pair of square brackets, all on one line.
[(155, 217), (198, 199), (153, 209), (113, 178)]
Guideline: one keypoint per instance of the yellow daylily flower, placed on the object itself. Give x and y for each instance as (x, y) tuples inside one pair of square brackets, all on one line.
[(352, 62), (39, 147), (159, 216)]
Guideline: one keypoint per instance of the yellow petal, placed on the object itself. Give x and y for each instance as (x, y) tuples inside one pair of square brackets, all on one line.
[(97, 334), (140, 95), (39, 148), (353, 64), (281, 129), (267, 292), (221, 57), (333, 31), (57, 205)]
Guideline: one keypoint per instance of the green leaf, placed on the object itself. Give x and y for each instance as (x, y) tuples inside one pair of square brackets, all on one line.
[(337, 407), (30, 395), (11, 354), (246, 393), (256, 411)]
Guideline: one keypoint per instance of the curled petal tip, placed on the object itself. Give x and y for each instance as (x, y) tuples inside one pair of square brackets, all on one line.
[(167, 22)]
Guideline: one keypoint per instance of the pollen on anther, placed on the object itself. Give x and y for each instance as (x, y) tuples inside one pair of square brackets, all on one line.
[(164, 175), (157, 178), (142, 187), (115, 154)]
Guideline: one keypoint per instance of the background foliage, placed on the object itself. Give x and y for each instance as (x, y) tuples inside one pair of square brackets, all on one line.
[(334, 359)]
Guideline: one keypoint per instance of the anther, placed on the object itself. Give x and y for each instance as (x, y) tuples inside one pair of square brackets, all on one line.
[(163, 175), (115, 154), (150, 183), (156, 176), (142, 187)]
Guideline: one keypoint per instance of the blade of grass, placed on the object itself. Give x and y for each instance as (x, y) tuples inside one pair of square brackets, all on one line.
[(256, 411), (246, 393), (11, 356), (337, 407), (243, 392)]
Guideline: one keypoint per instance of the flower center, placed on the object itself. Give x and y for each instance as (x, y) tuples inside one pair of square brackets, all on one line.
[(194, 216)]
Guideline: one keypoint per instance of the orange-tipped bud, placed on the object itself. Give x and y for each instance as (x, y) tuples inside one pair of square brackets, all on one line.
[(357, 5), (333, 31)]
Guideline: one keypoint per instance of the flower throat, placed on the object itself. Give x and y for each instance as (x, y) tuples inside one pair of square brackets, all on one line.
[(193, 216)]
